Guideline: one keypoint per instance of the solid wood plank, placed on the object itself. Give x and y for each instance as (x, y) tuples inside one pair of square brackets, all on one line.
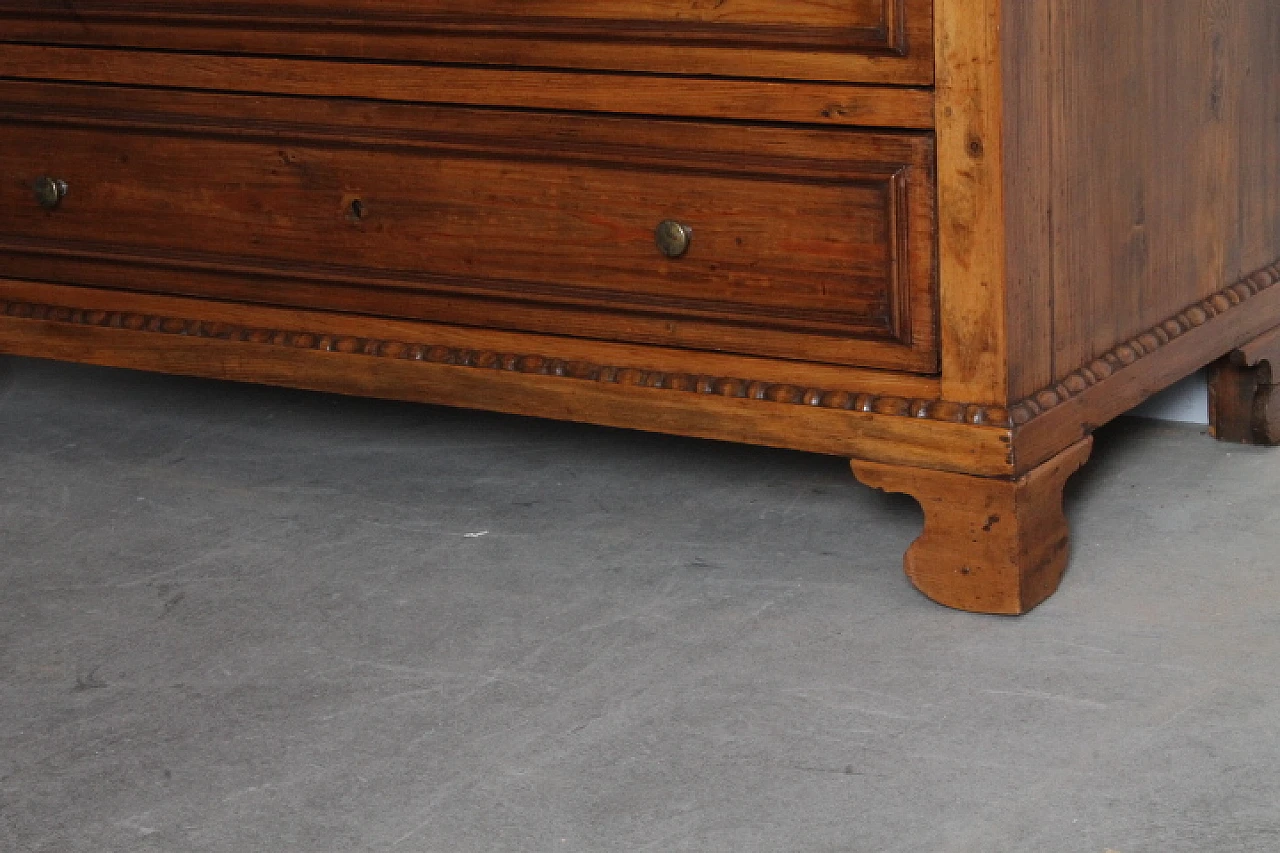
[(867, 41), (1029, 92), (1140, 168), (809, 103), (1255, 238), (971, 198), (1164, 158), (281, 348), (995, 546)]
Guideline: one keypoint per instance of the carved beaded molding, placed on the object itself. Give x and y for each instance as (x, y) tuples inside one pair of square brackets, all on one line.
[(1128, 353), (537, 365), (1023, 412)]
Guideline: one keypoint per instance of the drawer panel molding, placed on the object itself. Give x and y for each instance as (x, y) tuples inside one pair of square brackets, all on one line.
[(866, 41), (807, 244)]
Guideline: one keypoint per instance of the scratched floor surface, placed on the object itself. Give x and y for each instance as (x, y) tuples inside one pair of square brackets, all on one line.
[(242, 619)]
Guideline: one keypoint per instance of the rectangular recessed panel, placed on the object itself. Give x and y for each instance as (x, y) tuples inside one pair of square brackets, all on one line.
[(787, 242), (841, 40)]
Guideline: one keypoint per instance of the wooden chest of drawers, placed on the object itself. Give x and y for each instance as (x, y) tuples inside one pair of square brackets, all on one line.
[(946, 239)]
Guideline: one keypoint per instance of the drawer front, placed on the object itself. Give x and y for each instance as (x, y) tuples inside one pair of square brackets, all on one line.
[(802, 244), (869, 41)]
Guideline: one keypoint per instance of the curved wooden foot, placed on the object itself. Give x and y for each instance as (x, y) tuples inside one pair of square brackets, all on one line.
[(989, 545), (1244, 394)]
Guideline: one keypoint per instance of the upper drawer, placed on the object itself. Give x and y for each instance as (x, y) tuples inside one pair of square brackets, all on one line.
[(861, 41), (815, 245)]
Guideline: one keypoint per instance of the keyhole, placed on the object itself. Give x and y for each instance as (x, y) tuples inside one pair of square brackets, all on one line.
[(356, 209)]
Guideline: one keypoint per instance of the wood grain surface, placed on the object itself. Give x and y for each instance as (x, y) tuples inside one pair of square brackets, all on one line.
[(971, 231), (829, 104), (402, 360), (1142, 167), (806, 244), (1133, 371), (1244, 393), (868, 41), (995, 546)]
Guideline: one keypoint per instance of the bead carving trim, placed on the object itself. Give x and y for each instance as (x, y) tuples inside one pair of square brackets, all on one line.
[(1126, 354), (1024, 412), (536, 365)]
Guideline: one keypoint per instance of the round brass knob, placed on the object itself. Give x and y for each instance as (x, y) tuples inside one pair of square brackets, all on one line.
[(49, 191), (673, 238)]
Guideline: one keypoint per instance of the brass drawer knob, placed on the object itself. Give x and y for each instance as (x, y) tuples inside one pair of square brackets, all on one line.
[(673, 238), (49, 191)]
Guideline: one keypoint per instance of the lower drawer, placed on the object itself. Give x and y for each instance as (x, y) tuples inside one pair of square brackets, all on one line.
[(856, 41), (793, 243)]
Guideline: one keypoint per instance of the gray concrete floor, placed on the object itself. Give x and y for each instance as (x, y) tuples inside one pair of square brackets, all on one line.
[(244, 619)]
